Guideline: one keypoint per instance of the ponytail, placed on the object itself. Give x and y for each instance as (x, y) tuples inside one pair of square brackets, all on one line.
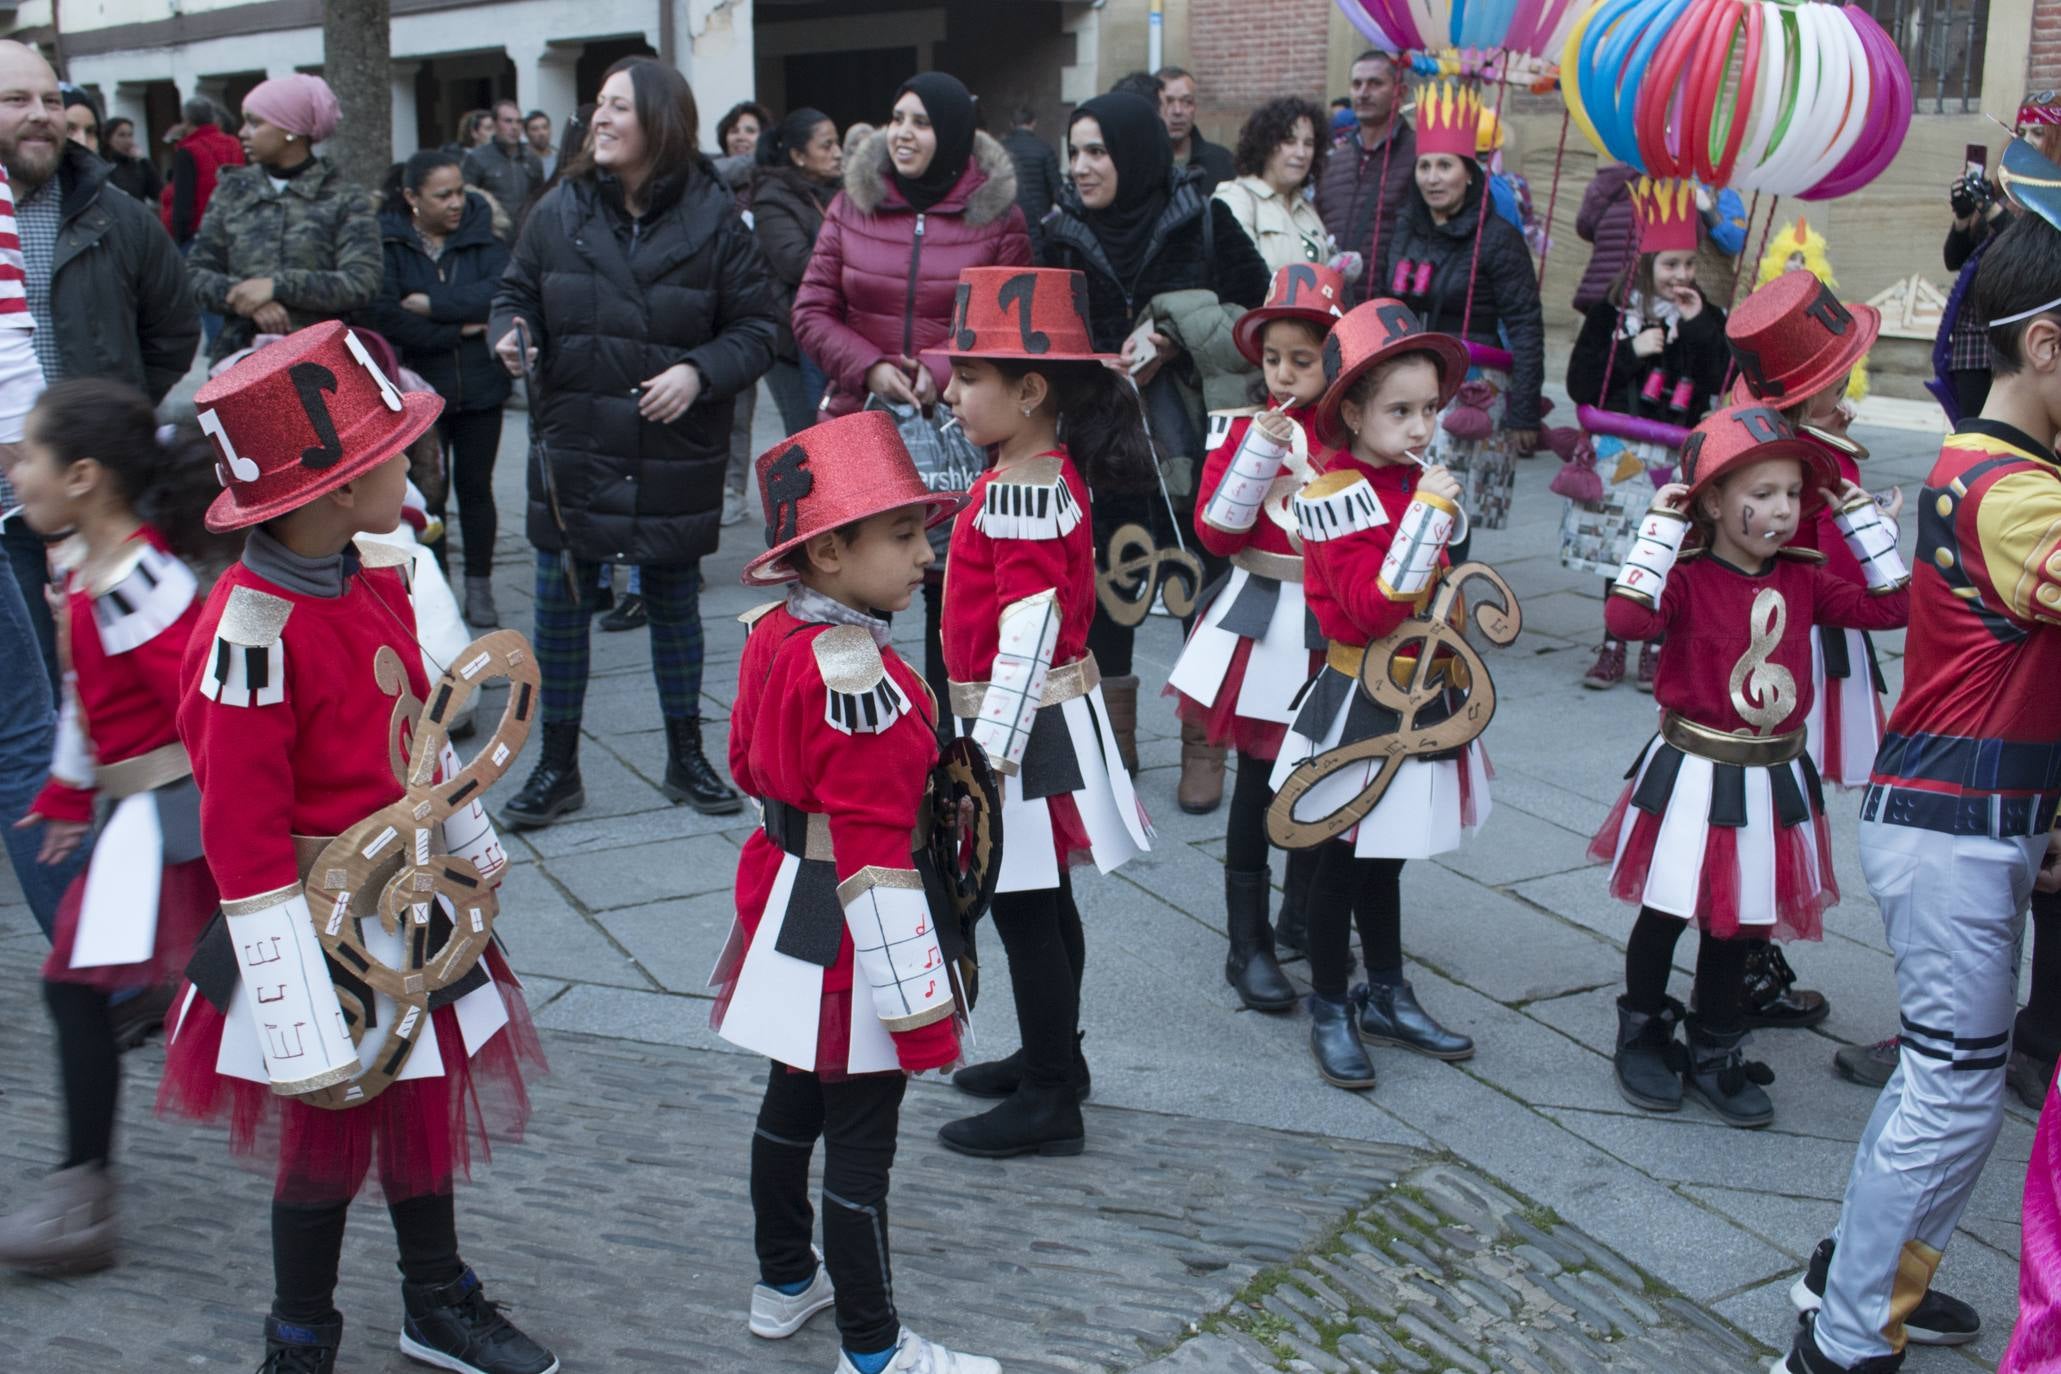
[(789, 135), (165, 474), (1101, 422), (409, 176)]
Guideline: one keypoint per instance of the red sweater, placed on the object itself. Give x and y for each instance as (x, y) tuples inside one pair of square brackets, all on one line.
[(321, 757), (983, 575), (128, 700), (1822, 534), (1265, 535), (1341, 577), (1724, 625), (869, 785)]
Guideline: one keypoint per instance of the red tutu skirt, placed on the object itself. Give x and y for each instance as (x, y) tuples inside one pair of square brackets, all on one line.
[(186, 901), (1221, 723), (423, 1131)]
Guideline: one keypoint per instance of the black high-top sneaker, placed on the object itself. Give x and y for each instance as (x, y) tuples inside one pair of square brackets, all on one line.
[(1804, 1357), (1938, 1319), (301, 1347), (453, 1326), (1773, 1001)]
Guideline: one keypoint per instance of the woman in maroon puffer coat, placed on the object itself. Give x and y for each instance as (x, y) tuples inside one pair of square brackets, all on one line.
[(924, 198)]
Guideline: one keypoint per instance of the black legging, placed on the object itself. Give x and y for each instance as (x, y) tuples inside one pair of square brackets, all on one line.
[(307, 1242), (1343, 890), (934, 674), (1041, 933), (1720, 971), (2038, 1029), (471, 439), (89, 1066)]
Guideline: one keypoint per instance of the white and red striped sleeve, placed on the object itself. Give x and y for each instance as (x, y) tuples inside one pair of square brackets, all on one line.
[(14, 287), (21, 376)]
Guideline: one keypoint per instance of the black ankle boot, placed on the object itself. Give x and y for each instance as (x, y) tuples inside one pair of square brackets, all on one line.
[(1250, 967), (1773, 1001), (1720, 1073), (998, 1078), (1035, 1119), (1390, 1015), (453, 1326), (690, 777), (1336, 1045), (1292, 929), (554, 787), (301, 1347), (1649, 1059)]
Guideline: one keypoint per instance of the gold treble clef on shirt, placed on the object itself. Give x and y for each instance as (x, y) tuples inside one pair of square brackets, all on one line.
[(1764, 693)]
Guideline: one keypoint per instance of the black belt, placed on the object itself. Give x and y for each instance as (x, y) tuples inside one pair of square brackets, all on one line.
[(1976, 765), (2004, 818)]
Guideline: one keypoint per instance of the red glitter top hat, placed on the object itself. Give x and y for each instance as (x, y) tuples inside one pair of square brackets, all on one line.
[(1739, 436), (1665, 208), (1031, 314), (1793, 338), (829, 475), (1448, 119), (1369, 335), (1300, 291), (302, 417)]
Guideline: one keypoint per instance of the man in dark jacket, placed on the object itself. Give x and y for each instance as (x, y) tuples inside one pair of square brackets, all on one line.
[(505, 167), (1038, 182), (1178, 99), (1368, 177)]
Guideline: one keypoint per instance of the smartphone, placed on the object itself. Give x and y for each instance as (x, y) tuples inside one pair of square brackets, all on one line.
[(1975, 160)]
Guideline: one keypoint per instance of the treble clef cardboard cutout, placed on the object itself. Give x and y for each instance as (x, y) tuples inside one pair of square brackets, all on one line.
[(1429, 637), (387, 868), (1135, 572)]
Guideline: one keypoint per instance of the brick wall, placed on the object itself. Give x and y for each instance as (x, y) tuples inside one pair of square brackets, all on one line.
[(1246, 53), (2043, 65)]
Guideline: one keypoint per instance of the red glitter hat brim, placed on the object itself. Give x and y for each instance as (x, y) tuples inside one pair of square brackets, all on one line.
[(419, 410)]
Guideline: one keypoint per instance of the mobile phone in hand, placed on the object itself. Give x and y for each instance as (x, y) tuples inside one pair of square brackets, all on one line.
[(1975, 161)]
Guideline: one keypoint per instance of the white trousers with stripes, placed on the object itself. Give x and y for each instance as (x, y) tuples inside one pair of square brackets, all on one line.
[(1953, 908)]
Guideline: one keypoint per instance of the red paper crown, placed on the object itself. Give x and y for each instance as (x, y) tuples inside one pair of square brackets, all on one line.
[(829, 475), (1665, 208), (1300, 291), (302, 417), (1739, 436), (1793, 338), (1035, 314), (1448, 119), (1368, 336)]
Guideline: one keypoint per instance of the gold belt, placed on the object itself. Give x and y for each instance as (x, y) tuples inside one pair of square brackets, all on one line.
[(816, 844), (1348, 658), (164, 764), (1744, 751), (1076, 679), (1282, 567)]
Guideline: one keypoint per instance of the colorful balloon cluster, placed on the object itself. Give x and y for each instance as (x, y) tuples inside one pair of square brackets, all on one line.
[(1535, 28), (1797, 99)]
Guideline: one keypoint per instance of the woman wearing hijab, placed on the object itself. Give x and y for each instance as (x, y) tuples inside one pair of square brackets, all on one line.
[(1142, 231), (286, 241), (924, 198)]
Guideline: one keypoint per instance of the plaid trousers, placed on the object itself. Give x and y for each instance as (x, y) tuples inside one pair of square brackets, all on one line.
[(672, 596)]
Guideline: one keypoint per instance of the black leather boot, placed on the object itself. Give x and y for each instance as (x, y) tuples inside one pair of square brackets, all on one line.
[(1649, 1059), (1035, 1119), (1773, 1001), (453, 1326), (301, 1347), (998, 1078), (1336, 1045), (690, 777), (1250, 967), (1292, 929), (554, 787), (1392, 1016), (1720, 1073)]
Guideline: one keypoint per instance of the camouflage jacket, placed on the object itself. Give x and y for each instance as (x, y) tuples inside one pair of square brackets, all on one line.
[(317, 239)]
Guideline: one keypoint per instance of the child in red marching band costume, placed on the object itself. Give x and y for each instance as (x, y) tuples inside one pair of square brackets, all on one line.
[(93, 464), (1723, 820), (834, 968), (1019, 596), (298, 694), (1255, 645), (1374, 528)]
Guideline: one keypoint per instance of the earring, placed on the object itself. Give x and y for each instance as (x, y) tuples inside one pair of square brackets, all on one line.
[(289, 138), (1027, 411)]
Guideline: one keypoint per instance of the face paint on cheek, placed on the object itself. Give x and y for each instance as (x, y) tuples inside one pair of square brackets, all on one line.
[(1746, 522)]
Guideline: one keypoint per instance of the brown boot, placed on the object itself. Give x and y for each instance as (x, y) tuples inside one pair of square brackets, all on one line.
[(1120, 695), (67, 1228), (1201, 789)]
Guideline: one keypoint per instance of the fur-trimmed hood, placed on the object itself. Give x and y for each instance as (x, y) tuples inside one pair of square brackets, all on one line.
[(984, 192)]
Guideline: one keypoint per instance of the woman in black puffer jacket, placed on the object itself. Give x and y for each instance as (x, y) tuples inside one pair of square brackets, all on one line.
[(647, 301), (443, 264)]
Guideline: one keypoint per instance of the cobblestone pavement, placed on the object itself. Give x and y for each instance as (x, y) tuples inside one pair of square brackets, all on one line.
[(615, 917)]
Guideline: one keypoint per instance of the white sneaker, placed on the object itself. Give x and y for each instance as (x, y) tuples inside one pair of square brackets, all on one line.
[(776, 1315), (915, 1355)]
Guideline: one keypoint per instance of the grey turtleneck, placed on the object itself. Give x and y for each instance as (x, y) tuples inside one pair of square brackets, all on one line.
[(281, 566)]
